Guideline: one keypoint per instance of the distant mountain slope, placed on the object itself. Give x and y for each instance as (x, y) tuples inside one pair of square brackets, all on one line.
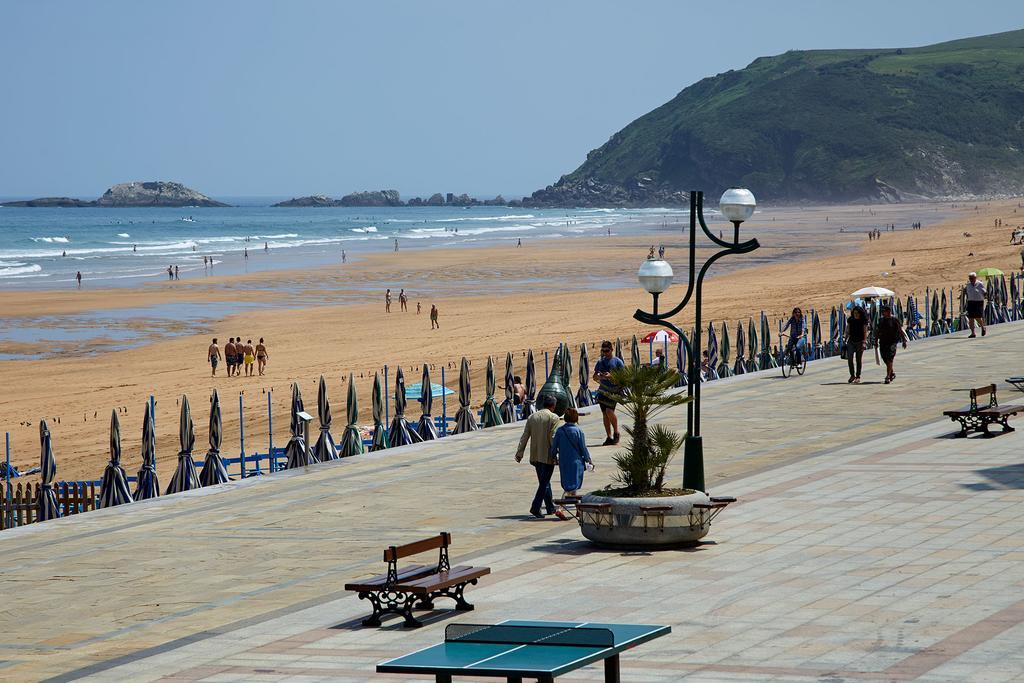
[(825, 125)]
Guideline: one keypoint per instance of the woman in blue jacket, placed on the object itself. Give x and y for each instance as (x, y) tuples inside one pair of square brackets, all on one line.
[(569, 448)]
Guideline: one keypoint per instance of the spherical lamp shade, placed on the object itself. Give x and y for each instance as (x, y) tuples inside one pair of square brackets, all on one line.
[(655, 275), (737, 204)]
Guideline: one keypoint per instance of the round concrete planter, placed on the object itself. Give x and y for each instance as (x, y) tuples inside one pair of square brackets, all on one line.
[(625, 527)]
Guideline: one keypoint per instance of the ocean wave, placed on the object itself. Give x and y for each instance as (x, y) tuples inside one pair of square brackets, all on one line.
[(20, 270), (50, 240), (369, 228), (123, 234), (508, 217)]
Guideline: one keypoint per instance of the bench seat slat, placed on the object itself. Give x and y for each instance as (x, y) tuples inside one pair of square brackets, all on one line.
[(413, 571), (443, 580)]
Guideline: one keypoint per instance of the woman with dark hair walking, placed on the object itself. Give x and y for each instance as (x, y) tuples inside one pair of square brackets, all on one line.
[(890, 333), (856, 340)]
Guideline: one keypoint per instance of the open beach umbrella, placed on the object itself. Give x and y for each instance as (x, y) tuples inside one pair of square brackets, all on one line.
[(426, 427), (213, 471), (712, 372), (324, 449), (985, 273), (114, 486), (297, 452), (491, 416), (752, 345), (465, 420), (185, 477), (399, 434), (380, 432), (872, 293), (583, 397), (529, 405), (634, 355), (740, 367), (618, 349), (46, 500), (508, 406), (660, 337), (147, 484), (351, 439), (725, 351)]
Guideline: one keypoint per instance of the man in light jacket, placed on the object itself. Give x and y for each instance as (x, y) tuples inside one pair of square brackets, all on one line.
[(539, 431)]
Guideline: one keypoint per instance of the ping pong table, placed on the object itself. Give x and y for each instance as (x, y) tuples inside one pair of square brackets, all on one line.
[(515, 650)]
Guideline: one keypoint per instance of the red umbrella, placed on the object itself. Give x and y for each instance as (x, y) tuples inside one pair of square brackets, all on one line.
[(660, 337)]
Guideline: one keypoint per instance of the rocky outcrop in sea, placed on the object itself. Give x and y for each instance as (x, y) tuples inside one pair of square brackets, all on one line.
[(131, 195)]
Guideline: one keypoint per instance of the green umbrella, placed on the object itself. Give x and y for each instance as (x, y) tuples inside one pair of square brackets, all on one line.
[(491, 414), (465, 419), (618, 349), (739, 367), (351, 439), (725, 351), (567, 372), (380, 434), (988, 272), (752, 364)]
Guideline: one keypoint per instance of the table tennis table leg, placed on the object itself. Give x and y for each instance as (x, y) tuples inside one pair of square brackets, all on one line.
[(443, 678), (611, 669)]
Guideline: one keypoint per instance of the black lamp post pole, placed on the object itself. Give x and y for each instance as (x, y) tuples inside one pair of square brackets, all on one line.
[(693, 451)]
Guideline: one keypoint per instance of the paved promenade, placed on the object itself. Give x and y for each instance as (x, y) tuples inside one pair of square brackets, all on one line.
[(867, 545)]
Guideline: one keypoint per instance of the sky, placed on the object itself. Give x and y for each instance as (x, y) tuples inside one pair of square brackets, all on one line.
[(264, 98)]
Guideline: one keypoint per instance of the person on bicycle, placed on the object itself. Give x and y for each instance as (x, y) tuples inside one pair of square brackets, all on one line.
[(797, 326)]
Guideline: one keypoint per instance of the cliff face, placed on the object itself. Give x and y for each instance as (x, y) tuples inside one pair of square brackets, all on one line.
[(823, 126), (375, 198), (157, 193)]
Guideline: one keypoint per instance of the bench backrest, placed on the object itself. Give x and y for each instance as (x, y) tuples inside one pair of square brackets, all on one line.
[(989, 391), (396, 552)]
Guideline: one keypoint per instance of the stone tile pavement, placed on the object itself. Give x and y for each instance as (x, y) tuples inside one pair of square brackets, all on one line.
[(866, 546)]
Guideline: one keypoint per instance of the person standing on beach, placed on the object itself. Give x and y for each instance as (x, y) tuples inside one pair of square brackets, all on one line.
[(261, 357), (213, 355), (229, 355), (396, 244), (170, 272), (890, 333), (975, 303), (343, 257), (177, 275), (245, 253), (606, 390), (387, 301), (403, 301), (248, 357), (434, 325), (538, 432), (417, 308), (856, 341), (78, 277)]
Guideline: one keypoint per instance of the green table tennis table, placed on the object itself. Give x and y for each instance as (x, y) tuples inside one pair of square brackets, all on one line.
[(515, 650)]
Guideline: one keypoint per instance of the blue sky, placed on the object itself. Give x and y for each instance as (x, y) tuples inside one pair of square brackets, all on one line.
[(301, 97)]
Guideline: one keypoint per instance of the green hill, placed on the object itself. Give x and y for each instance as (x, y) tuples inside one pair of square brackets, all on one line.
[(825, 125)]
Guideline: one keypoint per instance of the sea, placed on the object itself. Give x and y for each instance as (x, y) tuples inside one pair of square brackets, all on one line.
[(44, 248)]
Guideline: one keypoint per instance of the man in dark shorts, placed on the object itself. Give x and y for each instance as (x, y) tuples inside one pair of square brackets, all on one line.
[(602, 373), (213, 353), (889, 334), (229, 355), (975, 303)]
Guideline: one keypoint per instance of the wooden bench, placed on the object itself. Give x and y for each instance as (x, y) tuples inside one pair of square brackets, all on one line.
[(399, 590), (978, 418)]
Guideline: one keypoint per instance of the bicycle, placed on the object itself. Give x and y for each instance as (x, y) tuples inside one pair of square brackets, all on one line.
[(791, 359)]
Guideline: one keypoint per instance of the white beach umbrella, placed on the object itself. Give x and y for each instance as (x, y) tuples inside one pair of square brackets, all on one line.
[(872, 293)]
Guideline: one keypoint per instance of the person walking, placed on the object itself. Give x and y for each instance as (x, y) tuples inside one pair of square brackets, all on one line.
[(889, 334), (177, 275), (538, 432), (569, 451), (856, 338), (213, 355), (78, 277), (606, 390), (229, 355), (387, 301), (434, 325), (976, 296), (248, 357), (170, 272), (261, 356)]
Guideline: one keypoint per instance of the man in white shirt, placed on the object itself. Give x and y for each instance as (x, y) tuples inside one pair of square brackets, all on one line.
[(975, 303)]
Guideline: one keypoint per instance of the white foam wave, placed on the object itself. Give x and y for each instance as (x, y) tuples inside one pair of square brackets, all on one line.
[(369, 228), (123, 234), (508, 217), (51, 240), (21, 270)]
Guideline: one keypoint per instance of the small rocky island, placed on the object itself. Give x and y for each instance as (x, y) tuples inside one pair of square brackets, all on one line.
[(390, 198), (130, 195)]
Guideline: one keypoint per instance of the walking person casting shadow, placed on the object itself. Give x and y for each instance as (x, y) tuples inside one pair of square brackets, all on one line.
[(539, 432)]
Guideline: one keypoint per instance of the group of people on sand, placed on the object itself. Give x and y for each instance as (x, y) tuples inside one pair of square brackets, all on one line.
[(239, 356), (403, 303)]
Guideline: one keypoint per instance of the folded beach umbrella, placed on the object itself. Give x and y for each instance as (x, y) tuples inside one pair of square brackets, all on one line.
[(147, 484), (752, 345), (380, 432), (618, 349), (681, 358), (583, 397), (508, 406), (213, 471), (465, 420), (833, 332), (767, 357), (936, 321), (114, 486), (815, 335), (491, 416), (726, 353), (46, 499), (351, 439), (943, 313), (563, 349), (399, 434), (185, 477), (297, 452), (634, 355), (426, 427), (324, 449), (712, 372), (739, 367), (529, 404)]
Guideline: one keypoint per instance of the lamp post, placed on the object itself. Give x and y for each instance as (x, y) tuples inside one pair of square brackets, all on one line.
[(655, 276)]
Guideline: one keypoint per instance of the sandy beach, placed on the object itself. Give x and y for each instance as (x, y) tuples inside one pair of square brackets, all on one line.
[(331, 320)]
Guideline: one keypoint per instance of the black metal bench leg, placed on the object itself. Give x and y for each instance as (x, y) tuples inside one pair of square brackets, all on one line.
[(1006, 425), (456, 593), (410, 620), (611, 669)]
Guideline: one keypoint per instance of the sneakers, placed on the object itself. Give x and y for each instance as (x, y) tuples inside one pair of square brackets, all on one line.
[(983, 332), (536, 513), (615, 439), (850, 381), (608, 442), (972, 335), (561, 514)]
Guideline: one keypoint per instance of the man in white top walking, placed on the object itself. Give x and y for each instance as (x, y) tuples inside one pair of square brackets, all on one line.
[(975, 303)]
